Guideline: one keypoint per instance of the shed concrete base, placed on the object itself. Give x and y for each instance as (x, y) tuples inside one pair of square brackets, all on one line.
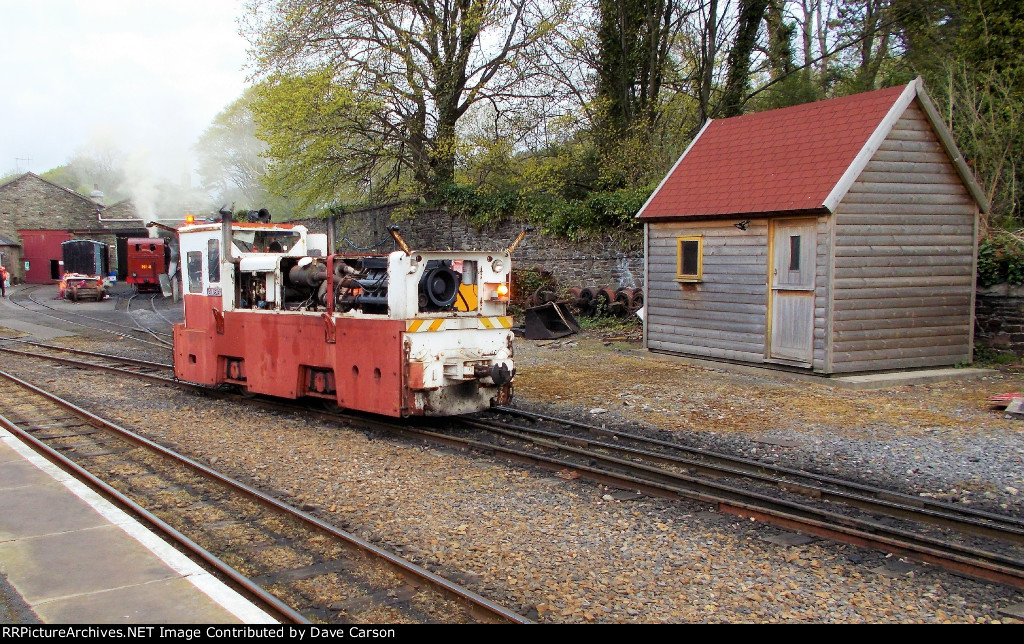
[(852, 382)]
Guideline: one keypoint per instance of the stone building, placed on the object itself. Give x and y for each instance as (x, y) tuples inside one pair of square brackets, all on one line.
[(37, 215)]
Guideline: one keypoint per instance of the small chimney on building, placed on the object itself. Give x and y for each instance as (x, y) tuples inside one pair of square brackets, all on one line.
[(96, 194)]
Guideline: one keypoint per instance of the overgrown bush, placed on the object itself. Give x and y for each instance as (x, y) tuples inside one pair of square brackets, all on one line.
[(1001, 259)]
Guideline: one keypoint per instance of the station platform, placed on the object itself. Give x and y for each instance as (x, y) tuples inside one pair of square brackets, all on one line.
[(72, 557)]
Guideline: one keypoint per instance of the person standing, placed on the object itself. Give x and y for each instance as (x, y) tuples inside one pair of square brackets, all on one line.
[(3, 281)]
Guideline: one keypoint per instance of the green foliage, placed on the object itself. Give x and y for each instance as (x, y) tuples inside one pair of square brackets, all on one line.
[(526, 282), (320, 140), (1001, 259), (969, 54), (597, 213), (605, 324), (988, 356)]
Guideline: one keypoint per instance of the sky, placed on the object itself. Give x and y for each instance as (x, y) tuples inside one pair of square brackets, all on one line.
[(146, 77)]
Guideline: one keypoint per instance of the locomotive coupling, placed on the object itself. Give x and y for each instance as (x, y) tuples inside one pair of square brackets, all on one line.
[(500, 374)]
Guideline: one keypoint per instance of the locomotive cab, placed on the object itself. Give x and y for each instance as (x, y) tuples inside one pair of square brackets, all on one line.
[(407, 333)]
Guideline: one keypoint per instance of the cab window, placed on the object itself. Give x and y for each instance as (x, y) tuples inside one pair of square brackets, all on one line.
[(195, 271), (213, 260)]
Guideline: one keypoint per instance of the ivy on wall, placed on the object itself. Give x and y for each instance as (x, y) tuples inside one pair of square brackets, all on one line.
[(1001, 259)]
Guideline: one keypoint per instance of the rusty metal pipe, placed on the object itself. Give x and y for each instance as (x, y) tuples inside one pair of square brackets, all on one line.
[(398, 240), (519, 239)]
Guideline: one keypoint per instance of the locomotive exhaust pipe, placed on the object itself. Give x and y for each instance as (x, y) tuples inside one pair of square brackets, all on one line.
[(225, 235), (331, 248), (307, 274)]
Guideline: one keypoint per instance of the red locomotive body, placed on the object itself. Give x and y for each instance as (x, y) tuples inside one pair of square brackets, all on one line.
[(147, 260), (408, 333)]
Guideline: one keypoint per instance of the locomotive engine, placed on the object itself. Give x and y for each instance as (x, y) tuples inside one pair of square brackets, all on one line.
[(270, 311)]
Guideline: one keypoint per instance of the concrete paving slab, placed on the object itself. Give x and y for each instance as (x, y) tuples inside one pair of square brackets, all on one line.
[(7, 454), (89, 561), (16, 474), (37, 510), (115, 572), (171, 601), (902, 378), (858, 382), (1015, 409), (37, 331)]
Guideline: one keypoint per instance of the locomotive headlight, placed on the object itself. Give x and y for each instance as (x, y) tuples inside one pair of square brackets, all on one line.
[(496, 292), (498, 266)]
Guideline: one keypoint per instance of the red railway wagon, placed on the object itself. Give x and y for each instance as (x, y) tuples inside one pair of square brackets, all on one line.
[(147, 260)]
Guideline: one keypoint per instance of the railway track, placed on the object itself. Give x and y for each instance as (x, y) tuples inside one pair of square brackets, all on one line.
[(977, 543), (298, 566), (676, 457), (26, 298)]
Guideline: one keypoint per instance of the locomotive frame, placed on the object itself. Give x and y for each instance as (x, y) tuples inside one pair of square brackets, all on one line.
[(403, 334)]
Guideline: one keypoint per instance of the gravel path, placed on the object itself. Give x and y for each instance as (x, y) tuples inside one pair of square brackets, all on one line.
[(575, 552)]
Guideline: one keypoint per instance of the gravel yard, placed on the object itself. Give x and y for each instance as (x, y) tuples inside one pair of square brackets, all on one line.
[(572, 551), (943, 440)]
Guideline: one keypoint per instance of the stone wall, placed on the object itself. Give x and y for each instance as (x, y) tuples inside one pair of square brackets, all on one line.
[(589, 263), (30, 202), (999, 318)]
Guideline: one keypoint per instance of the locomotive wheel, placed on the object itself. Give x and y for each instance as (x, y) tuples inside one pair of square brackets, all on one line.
[(602, 301), (624, 298), (588, 301), (331, 406), (638, 300), (543, 295)]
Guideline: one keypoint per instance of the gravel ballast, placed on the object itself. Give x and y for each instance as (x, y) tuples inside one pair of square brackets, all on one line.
[(572, 551)]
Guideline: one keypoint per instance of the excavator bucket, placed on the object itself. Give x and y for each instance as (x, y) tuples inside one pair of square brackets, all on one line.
[(549, 321)]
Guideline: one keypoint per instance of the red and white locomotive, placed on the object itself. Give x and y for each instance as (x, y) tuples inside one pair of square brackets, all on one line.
[(269, 310)]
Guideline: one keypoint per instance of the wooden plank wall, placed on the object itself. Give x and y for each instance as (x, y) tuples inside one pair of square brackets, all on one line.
[(822, 289), (904, 258), (724, 316)]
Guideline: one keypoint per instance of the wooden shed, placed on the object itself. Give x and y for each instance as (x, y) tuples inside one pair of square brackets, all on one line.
[(834, 237)]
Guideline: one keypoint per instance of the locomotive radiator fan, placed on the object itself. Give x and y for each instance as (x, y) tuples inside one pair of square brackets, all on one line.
[(439, 287)]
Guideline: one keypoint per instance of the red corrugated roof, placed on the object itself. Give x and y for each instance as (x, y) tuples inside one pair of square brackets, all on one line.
[(787, 159)]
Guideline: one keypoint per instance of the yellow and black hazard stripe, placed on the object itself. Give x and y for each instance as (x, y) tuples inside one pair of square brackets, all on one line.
[(457, 324)]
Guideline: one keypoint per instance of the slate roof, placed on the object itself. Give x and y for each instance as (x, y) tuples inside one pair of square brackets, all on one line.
[(788, 160)]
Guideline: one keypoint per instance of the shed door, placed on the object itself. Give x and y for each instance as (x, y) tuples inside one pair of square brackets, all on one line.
[(792, 291)]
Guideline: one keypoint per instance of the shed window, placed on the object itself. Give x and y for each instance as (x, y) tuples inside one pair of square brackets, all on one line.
[(195, 271), (690, 259), (794, 252)]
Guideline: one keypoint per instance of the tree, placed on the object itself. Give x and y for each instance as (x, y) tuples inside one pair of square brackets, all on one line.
[(737, 83), (231, 165), (392, 78), (634, 40), (969, 54)]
